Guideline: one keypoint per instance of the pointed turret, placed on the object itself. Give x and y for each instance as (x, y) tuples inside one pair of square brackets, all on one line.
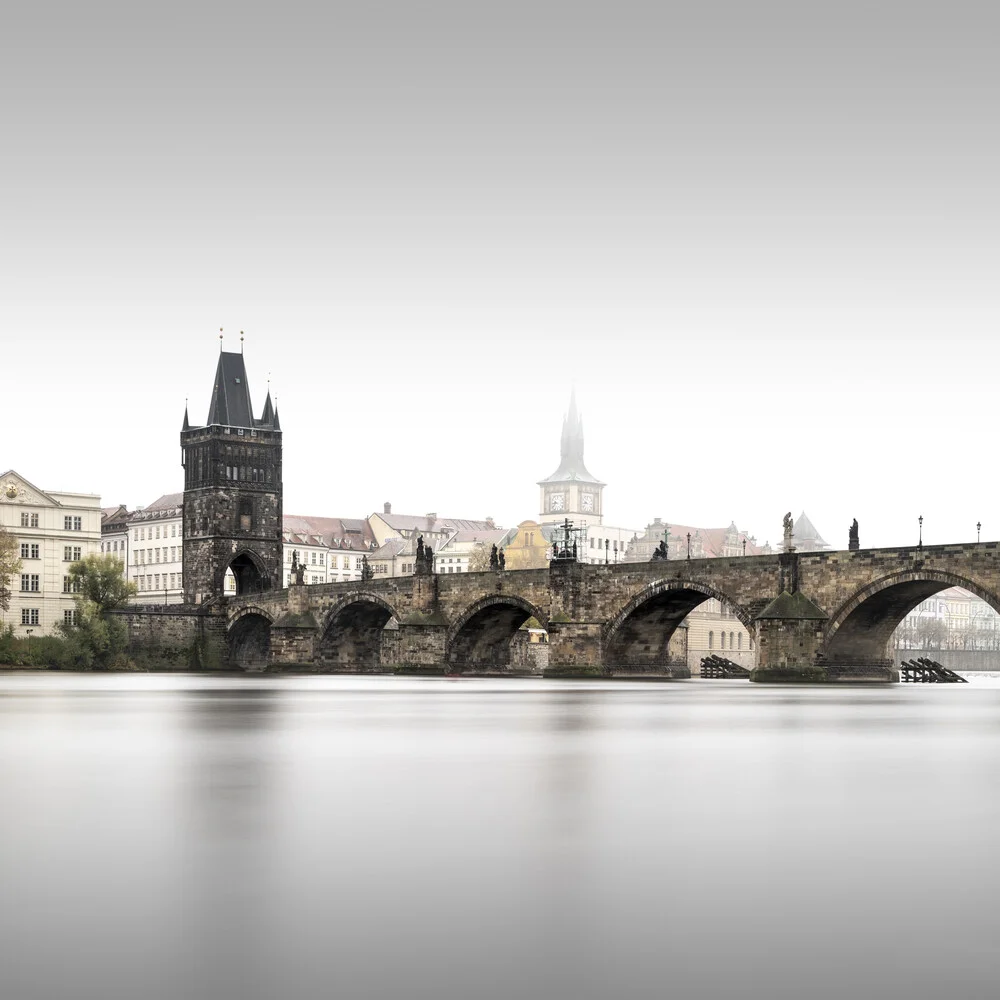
[(277, 422), (267, 417), (187, 423)]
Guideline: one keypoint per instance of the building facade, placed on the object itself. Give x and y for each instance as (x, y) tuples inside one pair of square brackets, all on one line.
[(52, 530)]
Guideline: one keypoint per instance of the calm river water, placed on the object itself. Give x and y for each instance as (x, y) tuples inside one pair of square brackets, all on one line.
[(216, 837)]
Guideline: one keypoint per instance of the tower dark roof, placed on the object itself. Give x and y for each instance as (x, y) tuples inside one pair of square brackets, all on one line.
[(571, 465), (231, 405)]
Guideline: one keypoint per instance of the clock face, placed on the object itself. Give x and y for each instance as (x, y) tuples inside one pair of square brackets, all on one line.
[(556, 501), (587, 501)]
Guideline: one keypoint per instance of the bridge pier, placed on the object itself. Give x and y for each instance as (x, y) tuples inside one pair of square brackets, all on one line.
[(789, 638), (574, 650), (416, 648)]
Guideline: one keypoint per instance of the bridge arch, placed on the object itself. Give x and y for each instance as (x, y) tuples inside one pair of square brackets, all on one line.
[(351, 637), (248, 637), (249, 572), (480, 638), (859, 631), (637, 637)]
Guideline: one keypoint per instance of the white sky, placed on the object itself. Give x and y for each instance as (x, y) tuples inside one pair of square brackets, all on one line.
[(762, 242)]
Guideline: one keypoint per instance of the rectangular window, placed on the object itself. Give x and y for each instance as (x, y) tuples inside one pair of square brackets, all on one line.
[(29, 616), (313, 559), (29, 582), (71, 617), (73, 523), (321, 559), (24, 550), (67, 553), (67, 584), (67, 523), (77, 554), (173, 531), (24, 520), (34, 551), (157, 555), (156, 583)]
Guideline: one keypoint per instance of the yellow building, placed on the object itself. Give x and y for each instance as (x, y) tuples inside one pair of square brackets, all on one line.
[(528, 546)]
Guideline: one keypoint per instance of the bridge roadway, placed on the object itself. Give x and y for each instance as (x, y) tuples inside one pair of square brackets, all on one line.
[(811, 616)]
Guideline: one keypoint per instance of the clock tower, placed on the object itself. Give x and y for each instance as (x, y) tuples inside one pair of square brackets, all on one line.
[(571, 491)]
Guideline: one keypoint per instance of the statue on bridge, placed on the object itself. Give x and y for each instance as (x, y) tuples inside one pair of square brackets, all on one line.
[(424, 565), (502, 559), (787, 525), (494, 559), (367, 573), (660, 553), (298, 569), (852, 537)]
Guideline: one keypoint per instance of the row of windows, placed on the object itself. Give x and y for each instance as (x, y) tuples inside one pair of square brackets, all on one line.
[(735, 640), (111, 546), (31, 616), (29, 520), (170, 554), (146, 534), (158, 581)]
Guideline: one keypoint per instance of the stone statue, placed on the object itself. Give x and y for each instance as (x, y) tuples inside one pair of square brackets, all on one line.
[(502, 559), (660, 552), (420, 549), (852, 538), (298, 569), (787, 525), (367, 573), (494, 559)]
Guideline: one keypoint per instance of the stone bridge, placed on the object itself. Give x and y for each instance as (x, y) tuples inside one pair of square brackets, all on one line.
[(811, 616)]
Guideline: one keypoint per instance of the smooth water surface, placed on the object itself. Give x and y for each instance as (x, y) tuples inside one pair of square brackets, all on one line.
[(236, 837)]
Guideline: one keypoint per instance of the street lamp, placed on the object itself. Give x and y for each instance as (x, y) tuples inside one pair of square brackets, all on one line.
[(744, 546), (616, 551), (689, 546), (920, 542), (607, 545), (979, 525)]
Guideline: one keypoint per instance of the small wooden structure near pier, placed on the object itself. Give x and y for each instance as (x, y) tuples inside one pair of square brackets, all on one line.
[(925, 671), (718, 666)]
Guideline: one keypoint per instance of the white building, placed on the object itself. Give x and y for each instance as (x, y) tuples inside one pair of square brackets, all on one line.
[(52, 530), (156, 551)]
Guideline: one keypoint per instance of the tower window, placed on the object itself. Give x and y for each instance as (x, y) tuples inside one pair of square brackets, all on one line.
[(246, 514)]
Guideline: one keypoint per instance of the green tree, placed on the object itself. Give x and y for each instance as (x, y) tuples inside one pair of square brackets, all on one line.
[(10, 563), (98, 639), (479, 558)]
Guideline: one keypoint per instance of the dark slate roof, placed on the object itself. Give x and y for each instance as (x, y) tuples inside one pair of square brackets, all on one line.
[(793, 606), (571, 467), (231, 404)]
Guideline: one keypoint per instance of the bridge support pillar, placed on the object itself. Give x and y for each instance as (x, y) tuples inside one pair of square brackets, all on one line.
[(415, 649), (789, 637), (574, 650)]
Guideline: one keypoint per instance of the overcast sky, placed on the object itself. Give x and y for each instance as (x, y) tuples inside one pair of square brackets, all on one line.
[(760, 238)]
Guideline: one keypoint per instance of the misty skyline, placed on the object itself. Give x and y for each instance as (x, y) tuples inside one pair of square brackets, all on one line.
[(760, 240)]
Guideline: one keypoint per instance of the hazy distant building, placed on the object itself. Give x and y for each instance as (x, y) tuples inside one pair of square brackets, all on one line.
[(571, 491), (706, 543), (805, 537), (156, 550)]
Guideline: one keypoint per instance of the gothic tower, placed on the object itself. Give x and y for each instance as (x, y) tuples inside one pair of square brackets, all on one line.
[(571, 491), (232, 491)]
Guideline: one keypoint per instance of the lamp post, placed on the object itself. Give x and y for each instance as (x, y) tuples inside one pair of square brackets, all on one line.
[(666, 539), (979, 525), (689, 546), (607, 545), (616, 551), (744, 546), (920, 540)]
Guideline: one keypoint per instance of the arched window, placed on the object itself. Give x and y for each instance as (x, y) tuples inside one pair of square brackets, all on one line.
[(739, 640), (731, 640), (722, 640), (711, 639)]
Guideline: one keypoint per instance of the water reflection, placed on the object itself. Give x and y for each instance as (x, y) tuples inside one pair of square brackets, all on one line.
[(383, 837)]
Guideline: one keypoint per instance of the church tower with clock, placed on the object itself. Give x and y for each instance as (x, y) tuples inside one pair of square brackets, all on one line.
[(571, 491)]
